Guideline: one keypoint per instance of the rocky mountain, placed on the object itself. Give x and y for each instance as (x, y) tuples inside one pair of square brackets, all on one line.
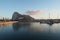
[(19, 17)]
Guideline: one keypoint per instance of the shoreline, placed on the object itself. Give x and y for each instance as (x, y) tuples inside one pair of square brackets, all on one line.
[(7, 22)]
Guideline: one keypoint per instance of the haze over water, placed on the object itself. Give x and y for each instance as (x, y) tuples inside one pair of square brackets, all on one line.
[(30, 30)]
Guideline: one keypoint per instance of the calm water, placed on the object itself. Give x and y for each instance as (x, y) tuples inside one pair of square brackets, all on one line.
[(30, 31)]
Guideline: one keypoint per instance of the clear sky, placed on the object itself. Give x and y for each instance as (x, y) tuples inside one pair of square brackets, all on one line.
[(37, 8)]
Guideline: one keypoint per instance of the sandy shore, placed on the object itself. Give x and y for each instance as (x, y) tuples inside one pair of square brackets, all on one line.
[(6, 23)]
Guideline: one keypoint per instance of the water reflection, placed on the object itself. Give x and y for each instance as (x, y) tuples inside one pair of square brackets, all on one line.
[(4, 24), (37, 30), (50, 24), (31, 27), (36, 27), (19, 25), (31, 30)]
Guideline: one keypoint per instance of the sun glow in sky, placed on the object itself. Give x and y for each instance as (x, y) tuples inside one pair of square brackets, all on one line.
[(35, 8)]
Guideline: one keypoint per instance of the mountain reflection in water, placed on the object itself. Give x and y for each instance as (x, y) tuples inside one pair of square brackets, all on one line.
[(17, 26), (30, 31)]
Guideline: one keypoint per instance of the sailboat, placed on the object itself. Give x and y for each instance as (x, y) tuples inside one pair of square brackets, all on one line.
[(50, 21)]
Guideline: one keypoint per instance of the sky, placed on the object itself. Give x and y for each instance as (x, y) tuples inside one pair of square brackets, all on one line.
[(36, 8)]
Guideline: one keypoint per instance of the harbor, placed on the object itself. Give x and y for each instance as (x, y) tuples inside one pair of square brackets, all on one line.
[(50, 21)]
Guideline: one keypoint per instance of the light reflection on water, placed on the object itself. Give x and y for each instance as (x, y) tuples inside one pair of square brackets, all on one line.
[(32, 30)]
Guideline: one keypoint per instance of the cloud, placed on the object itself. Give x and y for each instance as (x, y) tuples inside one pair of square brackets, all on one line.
[(34, 12)]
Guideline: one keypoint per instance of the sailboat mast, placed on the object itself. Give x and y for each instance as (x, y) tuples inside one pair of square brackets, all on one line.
[(57, 16), (49, 15)]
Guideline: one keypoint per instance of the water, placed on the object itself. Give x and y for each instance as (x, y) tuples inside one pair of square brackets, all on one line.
[(30, 31)]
